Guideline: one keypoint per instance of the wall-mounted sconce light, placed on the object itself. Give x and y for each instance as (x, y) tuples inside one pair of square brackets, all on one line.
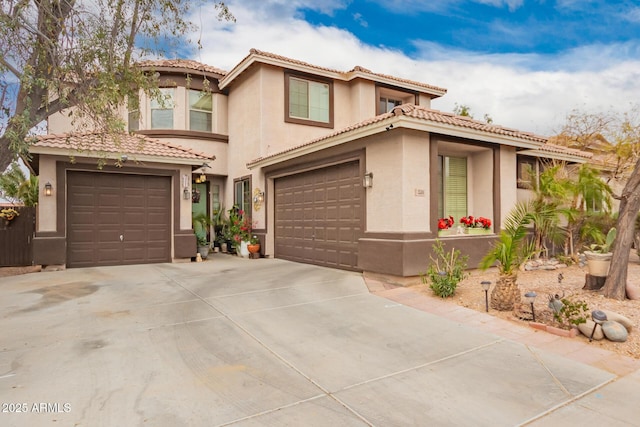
[(48, 189), (258, 199), (367, 181), (186, 195), (203, 177)]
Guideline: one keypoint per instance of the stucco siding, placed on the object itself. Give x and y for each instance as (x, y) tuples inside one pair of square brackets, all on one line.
[(46, 209), (508, 189)]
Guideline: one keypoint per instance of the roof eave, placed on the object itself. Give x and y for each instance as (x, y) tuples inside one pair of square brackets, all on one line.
[(567, 157), (398, 122), (132, 157), (461, 132), (435, 92)]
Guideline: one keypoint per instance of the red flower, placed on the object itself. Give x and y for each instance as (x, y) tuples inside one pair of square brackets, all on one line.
[(444, 223)]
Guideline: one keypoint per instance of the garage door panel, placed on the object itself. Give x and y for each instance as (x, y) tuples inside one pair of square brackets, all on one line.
[(103, 206), (317, 216)]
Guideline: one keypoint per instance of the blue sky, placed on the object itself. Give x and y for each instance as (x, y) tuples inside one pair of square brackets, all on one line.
[(487, 27), (526, 63)]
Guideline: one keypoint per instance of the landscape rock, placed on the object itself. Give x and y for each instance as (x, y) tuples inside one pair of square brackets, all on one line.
[(586, 328), (616, 317), (633, 292), (614, 331)]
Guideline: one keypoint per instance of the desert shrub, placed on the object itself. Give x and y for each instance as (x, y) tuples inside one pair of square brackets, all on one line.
[(446, 270), (572, 313)]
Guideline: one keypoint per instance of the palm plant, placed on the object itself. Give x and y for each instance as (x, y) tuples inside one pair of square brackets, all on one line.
[(16, 187), (551, 193), (511, 250)]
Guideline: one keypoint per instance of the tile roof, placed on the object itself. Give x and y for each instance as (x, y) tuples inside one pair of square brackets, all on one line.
[(418, 112), (119, 144), (553, 148), (435, 116), (187, 64), (345, 75)]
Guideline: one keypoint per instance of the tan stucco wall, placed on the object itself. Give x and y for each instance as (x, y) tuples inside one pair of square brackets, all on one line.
[(363, 101), (46, 208), (480, 184), (399, 198), (425, 101), (508, 189)]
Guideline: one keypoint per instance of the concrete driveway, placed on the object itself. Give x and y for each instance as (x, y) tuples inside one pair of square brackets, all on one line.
[(261, 343)]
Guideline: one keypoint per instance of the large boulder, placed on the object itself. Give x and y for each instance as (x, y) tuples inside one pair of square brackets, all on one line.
[(633, 292), (616, 317), (614, 331), (587, 328)]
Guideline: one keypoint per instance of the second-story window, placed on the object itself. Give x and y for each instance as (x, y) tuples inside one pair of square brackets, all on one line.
[(308, 101), (388, 104), (200, 110), (162, 110)]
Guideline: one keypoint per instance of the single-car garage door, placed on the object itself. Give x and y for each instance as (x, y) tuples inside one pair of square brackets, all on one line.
[(318, 216), (115, 218)]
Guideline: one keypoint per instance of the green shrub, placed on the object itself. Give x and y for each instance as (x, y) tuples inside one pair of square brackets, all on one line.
[(572, 312), (446, 271)]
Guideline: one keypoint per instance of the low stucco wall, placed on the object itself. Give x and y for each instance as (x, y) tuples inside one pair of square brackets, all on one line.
[(409, 254)]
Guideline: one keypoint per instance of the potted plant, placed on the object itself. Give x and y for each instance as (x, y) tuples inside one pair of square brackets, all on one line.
[(8, 215), (509, 252), (476, 225), (239, 231), (599, 254), (203, 246), (444, 226), (220, 222), (201, 224), (254, 245)]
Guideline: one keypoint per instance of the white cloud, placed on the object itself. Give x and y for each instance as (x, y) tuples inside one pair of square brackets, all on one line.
[(527, 92)]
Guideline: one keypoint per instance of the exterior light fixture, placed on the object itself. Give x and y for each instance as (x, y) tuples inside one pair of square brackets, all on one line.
[(258, 199), (48, 189), (367, 180), (530, 298), (203, 177), (599, 317), (186, 195), (485, 287)]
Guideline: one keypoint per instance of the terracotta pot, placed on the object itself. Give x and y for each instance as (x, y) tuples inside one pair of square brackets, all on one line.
[(254, 249)]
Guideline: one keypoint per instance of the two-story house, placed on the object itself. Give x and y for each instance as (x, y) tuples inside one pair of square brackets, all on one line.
[(346, 169)]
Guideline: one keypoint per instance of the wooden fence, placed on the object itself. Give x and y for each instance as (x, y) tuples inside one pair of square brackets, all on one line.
[(16, 238)]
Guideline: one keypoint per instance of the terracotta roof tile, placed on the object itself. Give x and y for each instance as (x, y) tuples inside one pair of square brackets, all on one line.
[(553, 148), (436, 116), (418, 112), (122, 143), (187, 64)]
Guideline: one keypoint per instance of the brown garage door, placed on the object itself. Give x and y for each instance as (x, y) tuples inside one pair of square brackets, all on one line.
[(115, 219), (318, 216)]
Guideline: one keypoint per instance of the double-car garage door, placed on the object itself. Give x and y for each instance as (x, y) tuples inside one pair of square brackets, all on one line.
[(115, 218), (319, 216)]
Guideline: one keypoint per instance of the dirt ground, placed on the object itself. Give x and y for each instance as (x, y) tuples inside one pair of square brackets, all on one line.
[(13, 271), (469, 294)]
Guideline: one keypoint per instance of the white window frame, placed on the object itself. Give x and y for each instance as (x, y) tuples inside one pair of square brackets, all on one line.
[(208, 112), (165, 103)]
